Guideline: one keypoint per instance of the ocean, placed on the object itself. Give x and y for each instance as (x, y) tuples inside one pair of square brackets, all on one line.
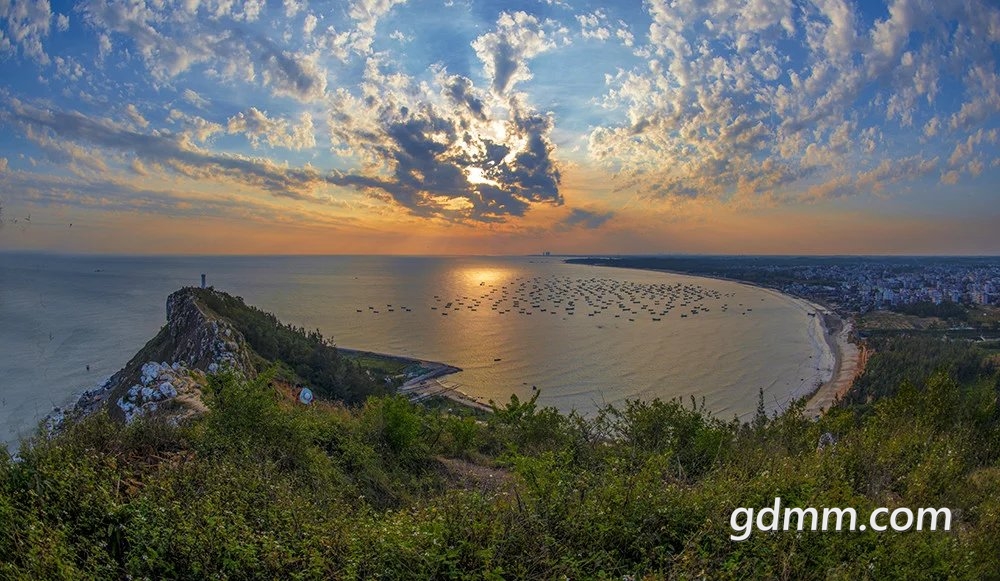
[(583, 336)]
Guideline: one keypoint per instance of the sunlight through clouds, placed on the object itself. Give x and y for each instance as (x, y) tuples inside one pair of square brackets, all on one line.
[(545, 119)]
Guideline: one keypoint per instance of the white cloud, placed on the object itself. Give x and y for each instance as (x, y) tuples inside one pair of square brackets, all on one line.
[(715, 101), (170, 48), (365, 15), (27, 23), (592, 26), (258, 127), (293, 7), (194, 127), (195, 99), (135, 116), (68, 68), (505, 51), (983, 100), (309, 25)]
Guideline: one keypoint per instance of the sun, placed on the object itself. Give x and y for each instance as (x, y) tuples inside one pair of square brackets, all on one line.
[(476, 175)]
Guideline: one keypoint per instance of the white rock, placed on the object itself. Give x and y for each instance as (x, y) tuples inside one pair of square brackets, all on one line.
[(149, 372), (168, 390)]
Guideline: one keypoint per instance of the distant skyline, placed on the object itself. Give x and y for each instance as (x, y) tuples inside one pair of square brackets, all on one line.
[(452, 127)]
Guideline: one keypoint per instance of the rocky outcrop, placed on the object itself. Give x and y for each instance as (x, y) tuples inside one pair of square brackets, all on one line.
[(174, 388), (200, 339), (167, 375)]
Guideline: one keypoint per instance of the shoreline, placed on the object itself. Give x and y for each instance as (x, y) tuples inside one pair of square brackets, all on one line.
[(849, 359), (849, 364), (427, 384)]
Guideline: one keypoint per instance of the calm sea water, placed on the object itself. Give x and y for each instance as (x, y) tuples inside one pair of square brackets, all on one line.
[(513, 324)]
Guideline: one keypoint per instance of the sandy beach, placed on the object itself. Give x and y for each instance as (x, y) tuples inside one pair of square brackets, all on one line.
[(842, 360), (850, 361)]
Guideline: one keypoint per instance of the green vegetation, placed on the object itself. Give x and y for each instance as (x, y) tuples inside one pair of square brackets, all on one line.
[(306, 354), (943, 310), (261, 488), (899, 360), (382, 365)]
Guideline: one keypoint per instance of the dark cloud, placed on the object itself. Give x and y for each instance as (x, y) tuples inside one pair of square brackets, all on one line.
[(579, 217), (459, 90), (506, 61), (166, 149), (533, 170), (98, 193), (447, 163), (288, 73)]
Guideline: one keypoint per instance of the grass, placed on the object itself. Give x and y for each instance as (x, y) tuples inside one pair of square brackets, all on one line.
[(385, 365), (890, 321)]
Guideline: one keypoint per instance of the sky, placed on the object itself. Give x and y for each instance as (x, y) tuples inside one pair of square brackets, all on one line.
[(469, 127)]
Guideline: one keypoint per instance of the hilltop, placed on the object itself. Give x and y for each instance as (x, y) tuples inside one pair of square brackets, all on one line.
[(208, 330)]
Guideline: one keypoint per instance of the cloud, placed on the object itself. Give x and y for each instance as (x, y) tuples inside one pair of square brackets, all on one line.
[(170, 44), (100, 192), (290, 74), (173, 152), (3, 164), (716, 112), (194, 127), (79, 159), (195, 99), (26, 25), (447, 150), (358, 39), (293, 7), (578, 217), (592, 26), (135, 116), (871, 181), (430, 155), (505, 51), (258, 127), (461, 93), (309, 25), (676, 102), (68, 68)]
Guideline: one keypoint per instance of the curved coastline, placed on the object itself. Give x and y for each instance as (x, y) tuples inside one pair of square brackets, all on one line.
[(840, 359), (837, 362)]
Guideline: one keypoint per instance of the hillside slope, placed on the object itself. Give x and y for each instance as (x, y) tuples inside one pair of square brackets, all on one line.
[(209, 330)]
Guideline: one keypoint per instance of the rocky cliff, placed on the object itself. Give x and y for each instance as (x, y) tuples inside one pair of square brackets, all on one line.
[(168, 373)]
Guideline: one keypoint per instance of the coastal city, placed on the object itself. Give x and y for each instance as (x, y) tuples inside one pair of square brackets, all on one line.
[(854, 284), (867, 286)]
